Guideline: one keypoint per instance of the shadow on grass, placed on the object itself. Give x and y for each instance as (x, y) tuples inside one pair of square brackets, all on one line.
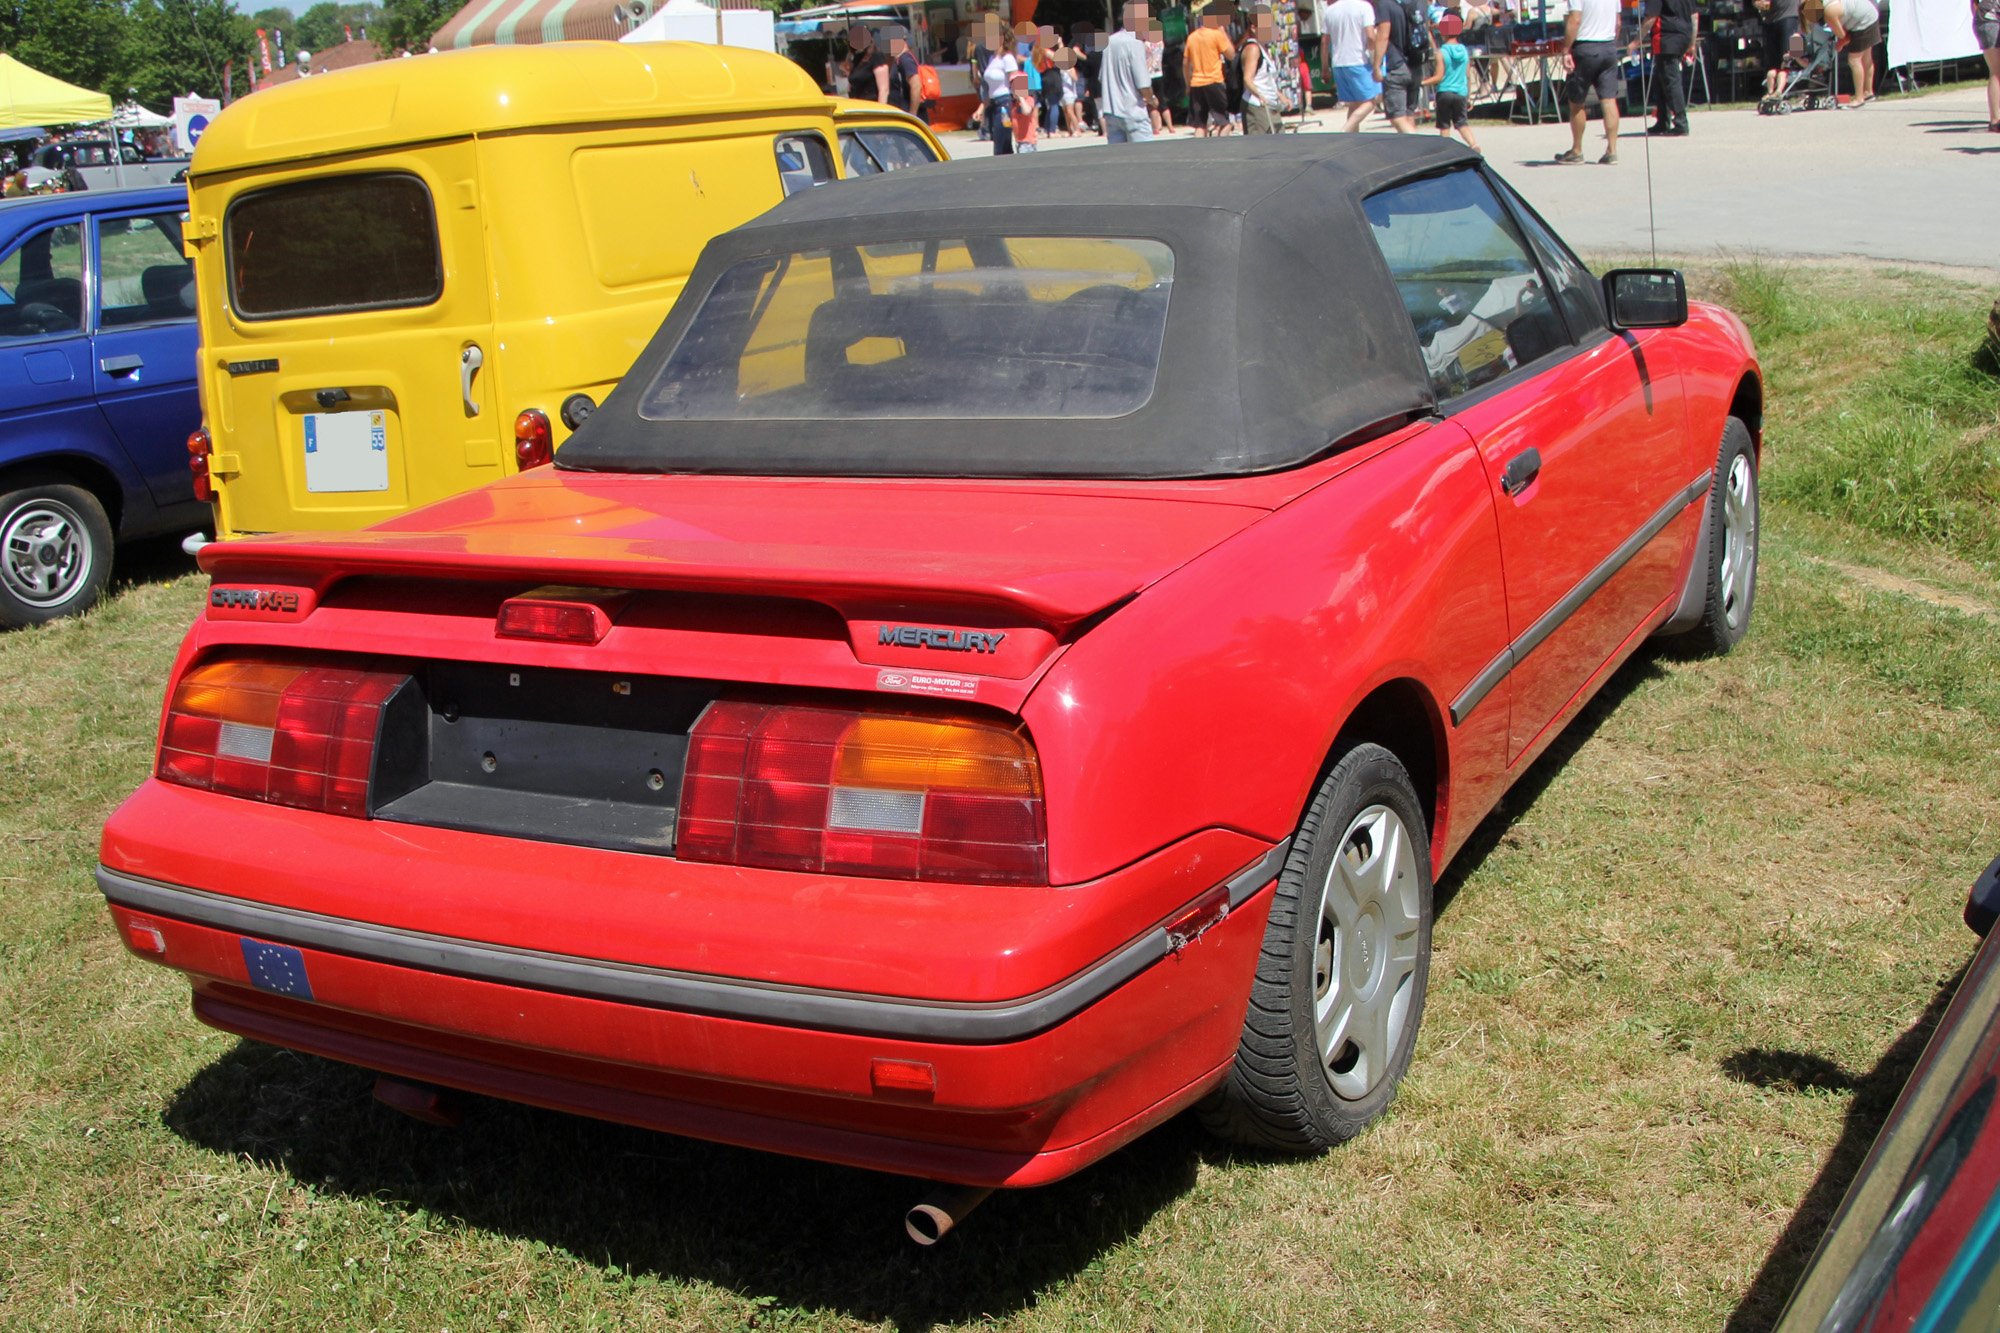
[(1875, 1094), (1640, 669), (151, 560), (801, 1234)]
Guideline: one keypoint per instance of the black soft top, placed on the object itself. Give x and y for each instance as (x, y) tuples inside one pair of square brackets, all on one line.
[(1285, 333)]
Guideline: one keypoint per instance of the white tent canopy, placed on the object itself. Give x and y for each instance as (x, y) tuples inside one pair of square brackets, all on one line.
[(132, 116), (692, 21)]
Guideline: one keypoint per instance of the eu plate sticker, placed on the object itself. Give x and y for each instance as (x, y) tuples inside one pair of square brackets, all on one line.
[(277, 968), (346, 452)]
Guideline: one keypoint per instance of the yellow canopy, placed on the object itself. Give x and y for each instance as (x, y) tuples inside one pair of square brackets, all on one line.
[(30, 97)]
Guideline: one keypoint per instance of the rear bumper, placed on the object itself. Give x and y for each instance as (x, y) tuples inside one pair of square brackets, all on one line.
[(1027, 1091)]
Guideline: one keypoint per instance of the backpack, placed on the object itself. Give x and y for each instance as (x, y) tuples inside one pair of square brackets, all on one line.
[(929, 89), (1416, 37)]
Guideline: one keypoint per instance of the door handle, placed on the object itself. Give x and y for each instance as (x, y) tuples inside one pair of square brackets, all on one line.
[(121, 365), (1522, 468), (469, 361)]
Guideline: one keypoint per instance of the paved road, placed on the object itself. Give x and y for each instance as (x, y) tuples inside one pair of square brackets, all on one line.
[(1910, 179)]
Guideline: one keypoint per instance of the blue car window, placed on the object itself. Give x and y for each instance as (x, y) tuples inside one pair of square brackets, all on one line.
[(143, 277), (42, 281)]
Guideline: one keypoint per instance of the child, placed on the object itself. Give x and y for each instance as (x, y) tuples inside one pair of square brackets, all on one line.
[(1027, 128), (1449, 76)]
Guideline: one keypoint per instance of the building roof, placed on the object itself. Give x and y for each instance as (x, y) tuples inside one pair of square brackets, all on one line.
[(360, 51), (1284, 334), (489, 89)]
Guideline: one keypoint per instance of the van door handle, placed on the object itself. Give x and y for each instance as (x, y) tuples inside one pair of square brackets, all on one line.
[(469, 361), (1522, 468), (121, 365)]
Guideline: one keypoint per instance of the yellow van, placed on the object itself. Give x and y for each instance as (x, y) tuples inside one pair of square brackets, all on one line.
[(418, 275)]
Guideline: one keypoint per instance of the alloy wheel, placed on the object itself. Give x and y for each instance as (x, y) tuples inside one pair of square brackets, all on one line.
[(45, 553), (1739, 539), (1365, 965)]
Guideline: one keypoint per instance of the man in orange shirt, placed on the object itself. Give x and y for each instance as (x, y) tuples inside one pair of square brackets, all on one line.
[(1201, 58)]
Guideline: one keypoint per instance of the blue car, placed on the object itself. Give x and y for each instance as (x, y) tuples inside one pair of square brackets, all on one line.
[(97, 390)]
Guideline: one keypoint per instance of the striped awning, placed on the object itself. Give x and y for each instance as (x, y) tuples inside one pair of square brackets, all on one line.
[(518, 22)]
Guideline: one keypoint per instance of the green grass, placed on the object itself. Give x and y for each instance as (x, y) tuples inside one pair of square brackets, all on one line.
[(1679, 978), (1892, 420)]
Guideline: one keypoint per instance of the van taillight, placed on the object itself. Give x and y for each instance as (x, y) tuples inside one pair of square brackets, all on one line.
[(292, 735), (903, 796), (534, 443), (199, 448)]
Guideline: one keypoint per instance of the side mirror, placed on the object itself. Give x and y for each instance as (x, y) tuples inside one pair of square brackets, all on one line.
[(1982, 906), (1646, 298)]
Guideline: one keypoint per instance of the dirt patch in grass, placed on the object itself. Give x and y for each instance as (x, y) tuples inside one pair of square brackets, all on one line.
[(1679, 979)]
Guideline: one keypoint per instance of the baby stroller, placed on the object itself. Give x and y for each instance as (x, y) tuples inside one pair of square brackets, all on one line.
[(1809, 75)]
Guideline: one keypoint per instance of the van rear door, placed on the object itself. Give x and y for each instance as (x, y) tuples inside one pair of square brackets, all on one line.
[(358, 365)]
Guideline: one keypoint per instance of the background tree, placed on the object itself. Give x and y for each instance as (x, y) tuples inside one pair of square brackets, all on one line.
[(408, 24), (326, 24), (78, 41), (179, 46)]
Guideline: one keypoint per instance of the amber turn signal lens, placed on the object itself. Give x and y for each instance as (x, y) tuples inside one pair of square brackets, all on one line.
[(534, 442), (899, 795)]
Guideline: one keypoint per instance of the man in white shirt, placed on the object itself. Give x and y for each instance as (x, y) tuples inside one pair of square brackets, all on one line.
[(1128, 90), (1349, 44), (1590, 41)]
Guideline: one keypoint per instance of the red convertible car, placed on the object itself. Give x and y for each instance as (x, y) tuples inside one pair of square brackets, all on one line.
[(1006, 665)]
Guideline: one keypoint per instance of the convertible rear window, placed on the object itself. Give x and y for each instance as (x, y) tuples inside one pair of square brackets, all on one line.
[(962, 327), (361, 242)]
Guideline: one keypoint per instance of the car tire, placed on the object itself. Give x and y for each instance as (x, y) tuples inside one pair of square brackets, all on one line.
[(1733, 523), (1339, 993), (55, 552)]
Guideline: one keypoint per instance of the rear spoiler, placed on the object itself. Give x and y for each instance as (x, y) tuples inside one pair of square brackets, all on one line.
[(1019, 589)]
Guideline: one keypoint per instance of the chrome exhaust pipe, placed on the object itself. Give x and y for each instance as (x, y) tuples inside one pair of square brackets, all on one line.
[(942, 1209)]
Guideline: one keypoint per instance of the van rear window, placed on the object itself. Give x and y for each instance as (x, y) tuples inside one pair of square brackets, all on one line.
[(362, 242)]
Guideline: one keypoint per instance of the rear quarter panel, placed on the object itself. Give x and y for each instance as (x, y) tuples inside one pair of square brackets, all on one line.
[(1214, 698)]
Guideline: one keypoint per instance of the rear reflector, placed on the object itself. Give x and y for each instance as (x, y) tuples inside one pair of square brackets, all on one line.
[(906, 1076), (903, 796), (292, 735)]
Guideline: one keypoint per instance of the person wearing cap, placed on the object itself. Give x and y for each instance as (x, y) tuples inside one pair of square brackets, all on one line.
[(902, 68), (867, 67), (1450, 78)]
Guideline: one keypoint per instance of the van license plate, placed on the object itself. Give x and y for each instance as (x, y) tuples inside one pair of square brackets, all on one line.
[(347, 451)]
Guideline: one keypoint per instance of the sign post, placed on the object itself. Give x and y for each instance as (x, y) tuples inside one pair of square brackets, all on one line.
[(191, 117)]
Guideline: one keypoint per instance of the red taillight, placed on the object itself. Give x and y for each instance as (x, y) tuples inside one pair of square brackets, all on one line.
[(199, 448), (904, 796), (534, 442), (292, 735)]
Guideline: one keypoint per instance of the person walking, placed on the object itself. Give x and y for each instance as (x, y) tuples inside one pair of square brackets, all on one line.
[(1349, 46), (1590, 42), (867, 67), (1857, 30), (1261, 98), (1452, 81), (902, 67), (996, 87), (1127, 103), (1986, 26), (1672, 28), (1202, 57), (1156, 77), (1781, 25), (1396, 35)]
